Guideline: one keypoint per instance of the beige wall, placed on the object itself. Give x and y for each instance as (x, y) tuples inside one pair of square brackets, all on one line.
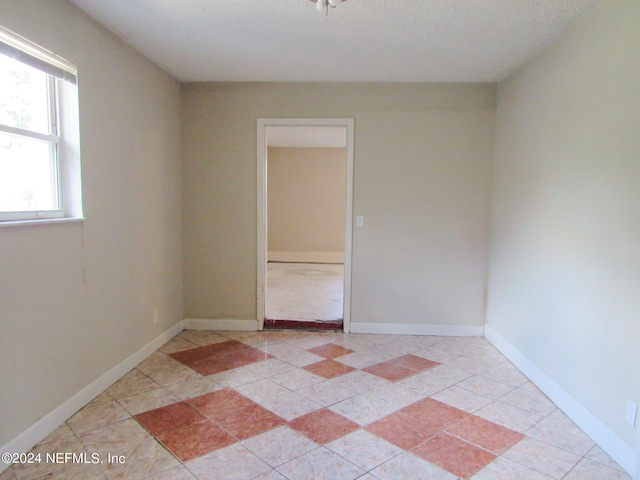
[(565, 256), (421, 178), (306, 199), (77, 299)]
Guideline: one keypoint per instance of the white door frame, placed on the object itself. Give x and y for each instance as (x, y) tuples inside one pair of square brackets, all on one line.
[(263, 123)]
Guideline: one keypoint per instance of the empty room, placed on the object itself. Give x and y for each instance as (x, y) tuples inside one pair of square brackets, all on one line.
[(486, 310)]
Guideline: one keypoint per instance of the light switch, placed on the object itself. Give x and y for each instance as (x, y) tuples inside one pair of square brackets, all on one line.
[(359, 221)]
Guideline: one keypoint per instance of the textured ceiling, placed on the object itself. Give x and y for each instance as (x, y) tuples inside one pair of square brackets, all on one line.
[(360, 40)]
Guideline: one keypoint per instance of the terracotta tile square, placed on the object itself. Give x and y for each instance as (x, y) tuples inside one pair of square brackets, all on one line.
[(400, 367), (486, 434), (434, 413), (328, 368), (416, 363), (170, 417), (402, 430), (323, 426), (389, 371), (217, 349), (246, 413), (212, 365), (330, 350), (221, 403), (455, 455), (193, 354), (227, 348), (251, 421), (219, 396), (220, 357), (192, 441)]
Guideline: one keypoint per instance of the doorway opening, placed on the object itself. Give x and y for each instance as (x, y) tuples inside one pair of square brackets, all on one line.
[(305, 296), (305, 175)]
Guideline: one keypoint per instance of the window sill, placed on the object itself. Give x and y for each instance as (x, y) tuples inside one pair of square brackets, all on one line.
[(40, 221)]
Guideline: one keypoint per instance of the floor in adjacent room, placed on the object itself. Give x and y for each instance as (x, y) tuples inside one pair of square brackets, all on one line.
[(300, 405), (304, 291)]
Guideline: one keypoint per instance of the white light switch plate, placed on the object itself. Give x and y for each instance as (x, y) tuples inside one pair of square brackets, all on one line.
[(359, 221)]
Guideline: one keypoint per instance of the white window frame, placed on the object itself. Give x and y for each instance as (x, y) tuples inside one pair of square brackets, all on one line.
[(64, 139)]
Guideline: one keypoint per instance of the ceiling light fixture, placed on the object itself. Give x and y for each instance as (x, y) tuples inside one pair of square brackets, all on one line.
[(323, 5)]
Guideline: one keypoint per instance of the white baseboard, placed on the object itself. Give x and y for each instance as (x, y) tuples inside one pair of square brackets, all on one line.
[(613, 445), (50, 422), (305, 257), (220, 324), (415, 329)]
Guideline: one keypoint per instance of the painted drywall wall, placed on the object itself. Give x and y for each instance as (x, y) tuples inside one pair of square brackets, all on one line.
[(306, 199), (565, 256), (77, 299), (421, 178)]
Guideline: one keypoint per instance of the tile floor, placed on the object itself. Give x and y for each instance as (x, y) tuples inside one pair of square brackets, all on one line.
[(300, 405)]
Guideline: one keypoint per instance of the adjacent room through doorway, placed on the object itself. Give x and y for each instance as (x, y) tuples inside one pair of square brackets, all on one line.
[(305, 226), (305, 295)]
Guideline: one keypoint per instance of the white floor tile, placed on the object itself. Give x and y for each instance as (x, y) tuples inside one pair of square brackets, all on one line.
[(320, 464)]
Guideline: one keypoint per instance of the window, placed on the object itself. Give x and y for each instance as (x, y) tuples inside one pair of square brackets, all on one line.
[(39, 135)]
